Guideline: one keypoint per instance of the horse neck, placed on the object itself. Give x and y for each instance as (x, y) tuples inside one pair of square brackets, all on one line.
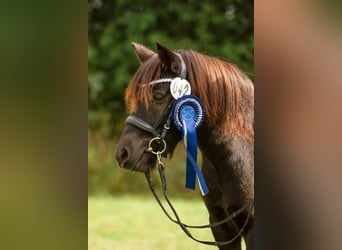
[(225, 149)]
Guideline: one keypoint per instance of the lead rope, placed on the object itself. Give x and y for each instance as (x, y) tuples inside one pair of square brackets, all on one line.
[(178, 221)]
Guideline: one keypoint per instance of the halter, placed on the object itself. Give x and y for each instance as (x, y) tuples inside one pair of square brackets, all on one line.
[(157, 146)]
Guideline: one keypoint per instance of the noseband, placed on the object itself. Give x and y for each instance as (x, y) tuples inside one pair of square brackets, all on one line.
[(141, 124)]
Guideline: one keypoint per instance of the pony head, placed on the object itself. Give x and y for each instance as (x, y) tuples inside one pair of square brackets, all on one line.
[(225, 91), (148, 101)]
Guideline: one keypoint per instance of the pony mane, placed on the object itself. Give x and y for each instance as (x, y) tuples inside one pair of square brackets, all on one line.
[(226, 92)]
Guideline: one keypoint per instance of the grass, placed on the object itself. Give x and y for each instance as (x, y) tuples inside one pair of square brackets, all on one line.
[(137, 222), (127, 222)]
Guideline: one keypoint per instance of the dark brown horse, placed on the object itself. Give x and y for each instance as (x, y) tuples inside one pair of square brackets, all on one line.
[(226, 138)]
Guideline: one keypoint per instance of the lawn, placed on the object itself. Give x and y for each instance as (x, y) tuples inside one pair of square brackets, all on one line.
[(137, 222)]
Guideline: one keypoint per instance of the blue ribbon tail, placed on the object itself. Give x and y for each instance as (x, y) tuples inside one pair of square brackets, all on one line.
[(192, 169), (190, 142), (202, 184)]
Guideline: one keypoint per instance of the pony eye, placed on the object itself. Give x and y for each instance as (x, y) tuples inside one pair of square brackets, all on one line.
[(158, 96)]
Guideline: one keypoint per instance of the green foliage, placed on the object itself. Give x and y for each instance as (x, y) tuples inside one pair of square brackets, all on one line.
[(223, 29)]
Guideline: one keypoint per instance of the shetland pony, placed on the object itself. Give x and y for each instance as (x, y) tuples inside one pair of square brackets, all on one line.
[(226, 138)]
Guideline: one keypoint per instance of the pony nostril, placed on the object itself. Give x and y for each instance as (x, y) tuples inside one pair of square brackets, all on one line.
[(124, 155)]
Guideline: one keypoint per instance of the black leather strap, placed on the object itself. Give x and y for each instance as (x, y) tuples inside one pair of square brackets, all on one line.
[(137, 122)]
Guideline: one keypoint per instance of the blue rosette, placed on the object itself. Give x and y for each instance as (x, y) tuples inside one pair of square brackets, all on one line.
[(188, 115)]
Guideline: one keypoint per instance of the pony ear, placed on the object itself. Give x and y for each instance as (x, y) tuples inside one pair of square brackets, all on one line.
[(169, 59), (142, 52)]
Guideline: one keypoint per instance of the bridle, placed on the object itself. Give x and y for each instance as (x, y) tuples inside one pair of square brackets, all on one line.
[(158, 146), (141, 124)]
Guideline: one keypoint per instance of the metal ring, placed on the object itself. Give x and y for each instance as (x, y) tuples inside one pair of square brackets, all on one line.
[(160, 142)]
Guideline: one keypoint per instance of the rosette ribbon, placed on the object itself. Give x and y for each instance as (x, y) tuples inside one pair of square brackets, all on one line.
[(188, 115)]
